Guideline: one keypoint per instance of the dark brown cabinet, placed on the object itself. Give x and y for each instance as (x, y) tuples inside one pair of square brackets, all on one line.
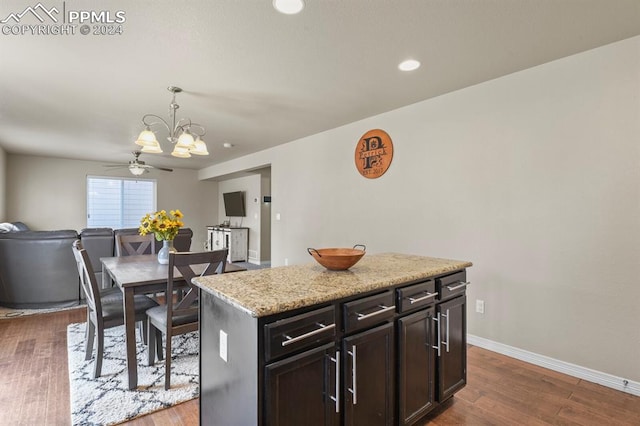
[(452, 360), (369, 377), (416, 366), (432, 344), (317, 386), (382, 358), (302, 390)]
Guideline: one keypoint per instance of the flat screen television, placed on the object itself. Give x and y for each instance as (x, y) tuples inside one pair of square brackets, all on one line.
[(234, 204)]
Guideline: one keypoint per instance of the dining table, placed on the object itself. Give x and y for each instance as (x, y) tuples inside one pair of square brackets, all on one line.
[(141, 274)]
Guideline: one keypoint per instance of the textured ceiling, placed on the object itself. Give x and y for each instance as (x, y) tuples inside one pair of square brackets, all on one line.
[(256, 78)]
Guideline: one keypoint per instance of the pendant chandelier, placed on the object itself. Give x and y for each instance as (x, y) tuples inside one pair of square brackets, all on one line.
[(181, 133)]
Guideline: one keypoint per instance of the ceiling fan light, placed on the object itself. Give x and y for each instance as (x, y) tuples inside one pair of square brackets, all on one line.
[(200, 148), (137, 170), (152, 149), (180, 152), (186, 140), (147, 138)]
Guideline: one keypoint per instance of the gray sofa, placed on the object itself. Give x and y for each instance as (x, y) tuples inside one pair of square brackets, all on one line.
[(38, 270)]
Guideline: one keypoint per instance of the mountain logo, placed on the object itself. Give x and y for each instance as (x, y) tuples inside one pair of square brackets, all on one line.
[(38, 11)]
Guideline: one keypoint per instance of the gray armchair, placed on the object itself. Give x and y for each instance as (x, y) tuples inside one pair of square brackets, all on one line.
[(38, 270)]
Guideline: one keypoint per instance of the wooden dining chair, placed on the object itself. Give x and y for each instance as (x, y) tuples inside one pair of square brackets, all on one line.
[(134, 244), (104, 310), (177, 317)]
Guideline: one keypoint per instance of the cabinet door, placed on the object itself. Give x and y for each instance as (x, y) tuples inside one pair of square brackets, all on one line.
[(238, 245), (301, 390), (369, 377), (217, 242), (452, 363), (416, 362)]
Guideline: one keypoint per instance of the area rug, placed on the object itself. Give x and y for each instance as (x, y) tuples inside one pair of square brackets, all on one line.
[(8, 313), (106, 400)]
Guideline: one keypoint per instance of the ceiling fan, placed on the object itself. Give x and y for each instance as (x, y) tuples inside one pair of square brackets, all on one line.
[(136, 166)]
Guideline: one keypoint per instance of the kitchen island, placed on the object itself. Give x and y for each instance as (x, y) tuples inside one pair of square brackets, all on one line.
[(380, 344)]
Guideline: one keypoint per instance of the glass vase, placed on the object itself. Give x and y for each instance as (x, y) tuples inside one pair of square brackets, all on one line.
[(163, 254)]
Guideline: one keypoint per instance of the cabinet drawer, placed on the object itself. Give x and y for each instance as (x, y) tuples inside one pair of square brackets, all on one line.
[(416, 296), (299, 332), (452, 285), (368, 311)]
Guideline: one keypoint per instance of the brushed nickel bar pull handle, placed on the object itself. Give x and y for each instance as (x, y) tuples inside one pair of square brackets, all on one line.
[(336, 398), (353, 388), (437, 319), (420, 299), (378, 312), (461, 284), (447, 333), (289, 340)]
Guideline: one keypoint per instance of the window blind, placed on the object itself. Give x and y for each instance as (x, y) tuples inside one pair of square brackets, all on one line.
[(119, 202)]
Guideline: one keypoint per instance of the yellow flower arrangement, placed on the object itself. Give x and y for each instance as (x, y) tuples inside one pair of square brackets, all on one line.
[(164, 226)]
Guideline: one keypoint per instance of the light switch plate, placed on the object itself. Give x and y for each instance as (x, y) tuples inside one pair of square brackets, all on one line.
[(223, 345)]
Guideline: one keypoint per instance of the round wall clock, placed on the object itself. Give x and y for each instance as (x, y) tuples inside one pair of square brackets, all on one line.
[(374, 153)]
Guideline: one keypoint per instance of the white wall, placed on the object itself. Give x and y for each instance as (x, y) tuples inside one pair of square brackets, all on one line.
[(265, 217), (251, 187), (50, 193), (534, 177), (3, 181)]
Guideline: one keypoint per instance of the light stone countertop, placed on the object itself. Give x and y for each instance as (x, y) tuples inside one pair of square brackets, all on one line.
[(273, 290)]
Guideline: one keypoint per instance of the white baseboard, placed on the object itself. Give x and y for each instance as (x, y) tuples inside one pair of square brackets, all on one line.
[(604, 379)]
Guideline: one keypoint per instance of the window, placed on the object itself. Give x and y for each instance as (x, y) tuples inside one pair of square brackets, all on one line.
[(119, 202)]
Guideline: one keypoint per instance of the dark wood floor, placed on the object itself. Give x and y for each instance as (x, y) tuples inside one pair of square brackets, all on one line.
[(34, 387)]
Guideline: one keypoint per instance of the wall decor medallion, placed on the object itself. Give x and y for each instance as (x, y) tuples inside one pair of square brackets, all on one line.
[(374, 153)]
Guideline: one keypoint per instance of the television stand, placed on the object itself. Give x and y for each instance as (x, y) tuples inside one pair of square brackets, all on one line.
[(236, 240)]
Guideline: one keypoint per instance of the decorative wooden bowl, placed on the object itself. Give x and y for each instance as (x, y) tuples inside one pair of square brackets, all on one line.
[(338, 259)]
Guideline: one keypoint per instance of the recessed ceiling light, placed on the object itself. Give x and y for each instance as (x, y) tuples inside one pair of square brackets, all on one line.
[(227, 145), (288, 7), (409, 65)]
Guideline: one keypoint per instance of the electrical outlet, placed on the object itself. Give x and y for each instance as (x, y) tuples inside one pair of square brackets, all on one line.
[(480, 306)]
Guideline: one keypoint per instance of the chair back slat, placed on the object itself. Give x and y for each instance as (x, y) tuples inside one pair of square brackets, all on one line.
[(132, 245), (213, 261), (87, 277)]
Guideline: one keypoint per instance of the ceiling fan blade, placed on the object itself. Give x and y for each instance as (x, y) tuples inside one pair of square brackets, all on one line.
[(162, 168), (137, 164)]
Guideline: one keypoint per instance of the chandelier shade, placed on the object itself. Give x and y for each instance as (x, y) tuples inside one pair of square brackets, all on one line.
[(181, 152), (200, 147), (147, 138), (152, 149), (186, 140), (181, 133)]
